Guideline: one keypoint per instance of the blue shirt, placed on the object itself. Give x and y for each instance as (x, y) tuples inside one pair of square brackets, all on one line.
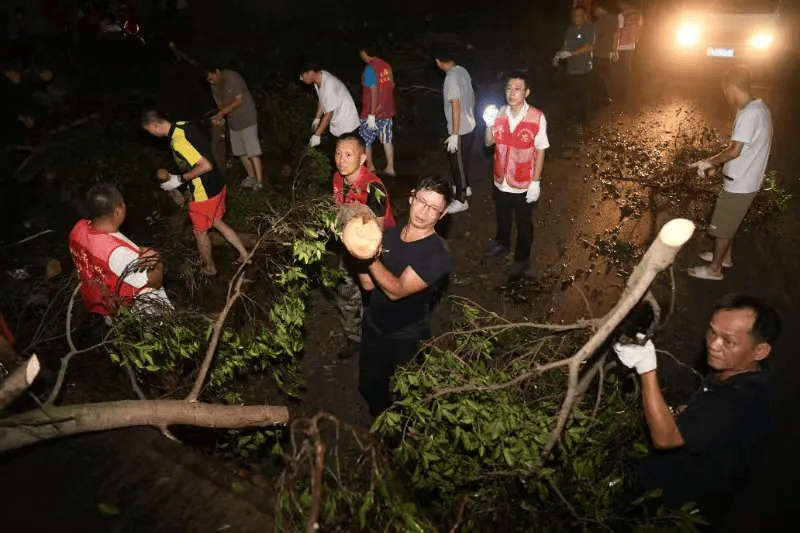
[(574, 38)]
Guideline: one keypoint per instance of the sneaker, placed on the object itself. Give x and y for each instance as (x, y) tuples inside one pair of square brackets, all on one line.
[(456, 207), (469, 191), (495, 250), (251, 182), (517, 271)]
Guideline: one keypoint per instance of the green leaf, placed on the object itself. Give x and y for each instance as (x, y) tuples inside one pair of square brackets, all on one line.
[(237, 488), (366, 505), (108, 509)]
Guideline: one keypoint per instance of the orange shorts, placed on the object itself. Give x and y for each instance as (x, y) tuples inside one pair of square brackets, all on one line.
[(204, 213)]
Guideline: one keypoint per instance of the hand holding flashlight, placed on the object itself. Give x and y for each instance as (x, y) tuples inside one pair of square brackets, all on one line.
[(490, 113)]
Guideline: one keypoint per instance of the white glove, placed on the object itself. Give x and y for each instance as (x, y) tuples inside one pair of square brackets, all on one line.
[(172, 183), (371, 122), (314, 124), (315, 140), (452, 144), (562, 54), (643, 358), (702, 167), (614, 57), (490, 115), (533, 192)]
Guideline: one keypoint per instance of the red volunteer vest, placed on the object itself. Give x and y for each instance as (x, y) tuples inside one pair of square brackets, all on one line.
[(515, 153), (385, 91), (102, 290), (631, 24), (358, 192)]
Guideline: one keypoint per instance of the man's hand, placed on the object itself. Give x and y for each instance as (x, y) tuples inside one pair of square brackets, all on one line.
[(533, 192), (614, 57), (371, 123), (643, 358), (490, 115), (452, 143), (172, 183), (562, 54), (315, 140), (315, 124), (149, 259), (702, 166), (218, 119)]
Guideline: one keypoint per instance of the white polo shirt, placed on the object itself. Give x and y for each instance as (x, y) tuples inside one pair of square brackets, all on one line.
[(753, 127), (334, 97)]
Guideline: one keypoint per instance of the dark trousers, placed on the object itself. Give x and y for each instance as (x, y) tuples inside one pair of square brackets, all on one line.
[(506, 205), (219, 148), (578, 96), (379, 359), (459, 164), (623, 68), (601, 72)]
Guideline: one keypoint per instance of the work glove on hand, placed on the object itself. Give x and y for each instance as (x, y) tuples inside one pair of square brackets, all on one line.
[(490, 115), (642, 358), (614, 57), (172, 183), (315, 140), (533, 192), (702, 167), (371, 123), (562, 54), (452, 143), (314, 124)]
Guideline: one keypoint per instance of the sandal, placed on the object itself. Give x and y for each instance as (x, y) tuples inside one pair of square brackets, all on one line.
[(709, 256), (701, 272)]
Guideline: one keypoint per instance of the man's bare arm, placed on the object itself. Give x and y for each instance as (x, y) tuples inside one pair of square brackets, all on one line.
[(323, 124), (663, 428), (537, 170), (226, 109), (366, 281), (199, 168), (730, 153), (373, 100), (585, 49), (455, 105), (393, 287)]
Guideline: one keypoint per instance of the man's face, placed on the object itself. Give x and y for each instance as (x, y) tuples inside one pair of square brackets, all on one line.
[(349, 158), (364, 57), (578, 17), (427, 208), (307, 77), (516, 92), (730, 343), (158, 129), (214, 77)]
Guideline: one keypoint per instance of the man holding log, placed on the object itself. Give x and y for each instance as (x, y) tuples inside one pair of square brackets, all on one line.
[(413, 264), (720, 438), (354, 183)]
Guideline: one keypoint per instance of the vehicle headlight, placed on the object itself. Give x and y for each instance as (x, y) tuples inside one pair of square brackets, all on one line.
[(688, 34), (762, 40)]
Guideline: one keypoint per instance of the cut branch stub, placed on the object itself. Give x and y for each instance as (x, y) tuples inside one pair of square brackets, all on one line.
[(361, 234)]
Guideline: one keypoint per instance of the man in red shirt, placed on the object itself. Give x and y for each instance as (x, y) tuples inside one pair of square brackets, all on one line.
[(114, 271), (519, 133), (377, 106), (353, 182)]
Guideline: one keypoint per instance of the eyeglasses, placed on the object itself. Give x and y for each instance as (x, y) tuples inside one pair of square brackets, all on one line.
[(429, 206)]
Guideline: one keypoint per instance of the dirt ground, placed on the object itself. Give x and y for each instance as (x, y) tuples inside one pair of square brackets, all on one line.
[(590, 226)]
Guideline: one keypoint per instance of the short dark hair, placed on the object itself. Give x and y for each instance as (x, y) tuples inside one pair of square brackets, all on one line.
[(152, 115), (101, 200), (371, 49), (767, 323), (445, 52), (212, 68), (308, 65), (352, 137), (740, 78), (518, 75), (436, 184)]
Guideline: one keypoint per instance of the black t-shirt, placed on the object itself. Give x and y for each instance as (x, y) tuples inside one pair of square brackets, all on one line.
[(188, 146), (725, 427), (430, 259)]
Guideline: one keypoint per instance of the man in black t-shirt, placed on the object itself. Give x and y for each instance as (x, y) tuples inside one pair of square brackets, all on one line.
[(717, 442), (414, 263)]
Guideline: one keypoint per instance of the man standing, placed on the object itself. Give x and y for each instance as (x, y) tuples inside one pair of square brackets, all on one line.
[(377, 106), (236, 104), (414, 263), (607, 26), (519, 134), (745, 162), (114, 271), (352, 182), (192, 155), (459, 102), (632, 20), (720, 438), (577, 50), (335, 109)]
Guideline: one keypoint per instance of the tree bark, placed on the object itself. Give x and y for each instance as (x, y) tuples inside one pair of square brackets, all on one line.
[(38, 425), (18, 381)]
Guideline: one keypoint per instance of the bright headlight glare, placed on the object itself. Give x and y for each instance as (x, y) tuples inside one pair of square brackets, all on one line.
[(688, 34), (762, 40)]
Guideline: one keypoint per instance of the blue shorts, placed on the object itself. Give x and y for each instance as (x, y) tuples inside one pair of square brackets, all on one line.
[(384, 130)]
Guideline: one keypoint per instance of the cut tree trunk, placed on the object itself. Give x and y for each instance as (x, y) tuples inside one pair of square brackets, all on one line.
[(38, 425), (18, 381)]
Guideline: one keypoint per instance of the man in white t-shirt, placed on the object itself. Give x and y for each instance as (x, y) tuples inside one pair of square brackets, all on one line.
[(744, 164), (336, 107), (459, 103), (519, 133)]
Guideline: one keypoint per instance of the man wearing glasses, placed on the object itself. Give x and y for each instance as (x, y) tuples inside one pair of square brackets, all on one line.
[(414, 263)]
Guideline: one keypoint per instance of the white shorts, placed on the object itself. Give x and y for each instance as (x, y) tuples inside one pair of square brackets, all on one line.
[(245, 142)]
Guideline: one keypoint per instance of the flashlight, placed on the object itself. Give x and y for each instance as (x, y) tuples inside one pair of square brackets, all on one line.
[(490, 113)]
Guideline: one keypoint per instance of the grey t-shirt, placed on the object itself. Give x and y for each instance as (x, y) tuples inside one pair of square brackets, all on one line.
[(606, 27), (574, 39), (233, 85), (458, 85)]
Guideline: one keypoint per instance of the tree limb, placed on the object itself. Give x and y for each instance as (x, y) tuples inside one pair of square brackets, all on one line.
[(18, 381)]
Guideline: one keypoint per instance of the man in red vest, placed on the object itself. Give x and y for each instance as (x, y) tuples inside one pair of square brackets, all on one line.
[(353, 182), (519, 133), (114, 271), (377, 106)]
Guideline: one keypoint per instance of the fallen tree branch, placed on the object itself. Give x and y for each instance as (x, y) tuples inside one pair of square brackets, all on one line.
[(36, 426), (18, 381), (72, 350)]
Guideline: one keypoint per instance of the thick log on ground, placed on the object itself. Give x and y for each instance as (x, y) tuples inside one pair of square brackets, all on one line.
[(18, 381), (36, 426)]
